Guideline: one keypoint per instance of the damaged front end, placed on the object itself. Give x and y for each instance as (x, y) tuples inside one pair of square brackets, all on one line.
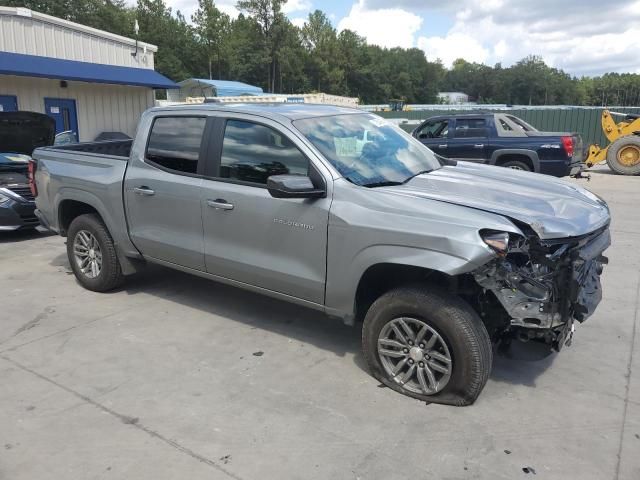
[(535, 289)]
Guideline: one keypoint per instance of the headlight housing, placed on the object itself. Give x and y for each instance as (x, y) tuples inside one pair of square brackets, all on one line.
[(497, 241)]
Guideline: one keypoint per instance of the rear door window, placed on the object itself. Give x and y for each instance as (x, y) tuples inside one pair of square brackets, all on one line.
[(175, 143), (470, 128), (252, 153)]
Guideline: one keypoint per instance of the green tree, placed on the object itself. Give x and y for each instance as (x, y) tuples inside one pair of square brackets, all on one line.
[(176, 40), (270, 19), (247, 53), (212, 28), (323, 54)]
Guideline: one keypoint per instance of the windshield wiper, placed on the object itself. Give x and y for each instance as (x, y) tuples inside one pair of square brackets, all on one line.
[(381, 184), (419, 173)]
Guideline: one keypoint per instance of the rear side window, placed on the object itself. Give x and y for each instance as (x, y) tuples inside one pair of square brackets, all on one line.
[(522, 124), (252, 153), (505, 125), (174, 143), (470, 128)]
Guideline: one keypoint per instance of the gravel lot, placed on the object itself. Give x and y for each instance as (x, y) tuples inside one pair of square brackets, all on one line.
[(176, 377)]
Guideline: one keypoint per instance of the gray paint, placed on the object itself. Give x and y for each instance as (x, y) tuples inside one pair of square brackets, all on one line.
[(433, 221)]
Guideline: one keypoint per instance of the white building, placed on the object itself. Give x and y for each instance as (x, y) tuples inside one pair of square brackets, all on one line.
[(453, 98), (88, 80)]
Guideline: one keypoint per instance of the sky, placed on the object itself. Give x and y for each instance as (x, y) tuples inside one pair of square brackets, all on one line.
[(583, 37)]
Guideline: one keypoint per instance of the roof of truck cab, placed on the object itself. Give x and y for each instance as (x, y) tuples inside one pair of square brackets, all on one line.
[(291, 111)]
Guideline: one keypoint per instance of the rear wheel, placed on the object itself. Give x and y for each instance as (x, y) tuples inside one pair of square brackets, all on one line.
[(516, 165), (92, 254), (427, 344), (623, 155)]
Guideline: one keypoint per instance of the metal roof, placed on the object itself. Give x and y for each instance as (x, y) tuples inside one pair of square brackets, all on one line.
[(223, 88), (47, 67)]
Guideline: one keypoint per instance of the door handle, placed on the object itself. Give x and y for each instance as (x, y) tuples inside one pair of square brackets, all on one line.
[(479, 145), (220, 204), (444, 145), (146, 191)]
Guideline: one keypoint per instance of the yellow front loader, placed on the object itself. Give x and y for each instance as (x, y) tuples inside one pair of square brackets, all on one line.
[(623, 152)]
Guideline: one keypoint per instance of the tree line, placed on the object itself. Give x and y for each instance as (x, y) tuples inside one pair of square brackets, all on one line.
[(262, 47)]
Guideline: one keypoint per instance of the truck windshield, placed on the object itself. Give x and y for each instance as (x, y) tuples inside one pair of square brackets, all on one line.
[(367, 150)]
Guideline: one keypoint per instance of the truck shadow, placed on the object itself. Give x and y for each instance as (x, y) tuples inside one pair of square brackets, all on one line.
[(521, 365), (255, 310)]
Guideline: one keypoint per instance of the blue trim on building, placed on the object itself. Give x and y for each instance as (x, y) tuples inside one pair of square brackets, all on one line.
[(47, 67)]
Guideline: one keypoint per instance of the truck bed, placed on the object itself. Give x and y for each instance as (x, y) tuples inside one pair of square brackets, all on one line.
[(114, 148), (90, 173)]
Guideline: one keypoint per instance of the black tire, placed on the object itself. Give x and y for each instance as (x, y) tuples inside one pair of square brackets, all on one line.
[(454, 320), (110, 275), (516, 165), (613, 155)]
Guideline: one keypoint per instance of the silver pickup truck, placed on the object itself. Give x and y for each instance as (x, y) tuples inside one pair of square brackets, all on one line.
[(337, 210)]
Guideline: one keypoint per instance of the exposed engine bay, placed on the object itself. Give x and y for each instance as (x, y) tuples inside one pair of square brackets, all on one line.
[(543, 286)]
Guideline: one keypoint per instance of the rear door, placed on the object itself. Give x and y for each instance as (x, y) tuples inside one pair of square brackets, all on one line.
[(251, 237), (435, 135), (163, 186), (470, 140)]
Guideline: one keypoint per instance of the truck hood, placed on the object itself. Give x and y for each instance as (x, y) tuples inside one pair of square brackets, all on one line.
[(23, 132), (552, 207)]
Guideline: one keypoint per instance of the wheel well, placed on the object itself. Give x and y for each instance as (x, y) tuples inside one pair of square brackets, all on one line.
[(70, 209), (379, 279), (514, 157)]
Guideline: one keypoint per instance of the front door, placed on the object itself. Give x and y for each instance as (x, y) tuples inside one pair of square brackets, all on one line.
[(63, 111), (8, 103), (251, 237), (435, 135), (162, 190), (470, 140)]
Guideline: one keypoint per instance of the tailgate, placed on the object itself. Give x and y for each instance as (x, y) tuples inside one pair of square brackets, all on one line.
[(556, 138)]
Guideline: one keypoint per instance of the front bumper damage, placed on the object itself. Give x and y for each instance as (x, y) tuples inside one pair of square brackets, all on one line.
[(544, 286)]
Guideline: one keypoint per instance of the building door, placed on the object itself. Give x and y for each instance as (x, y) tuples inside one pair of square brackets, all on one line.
[(63, 111), (8, 103)]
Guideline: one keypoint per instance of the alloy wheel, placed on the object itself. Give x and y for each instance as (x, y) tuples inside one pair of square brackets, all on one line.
[(87, 253), (414, 355)]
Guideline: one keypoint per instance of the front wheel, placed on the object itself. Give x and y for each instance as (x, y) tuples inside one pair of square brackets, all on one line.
[(92, 254), (427, 344)]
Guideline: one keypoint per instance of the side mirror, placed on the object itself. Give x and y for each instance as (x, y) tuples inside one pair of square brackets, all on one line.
[(293, 186), (426, 135)]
